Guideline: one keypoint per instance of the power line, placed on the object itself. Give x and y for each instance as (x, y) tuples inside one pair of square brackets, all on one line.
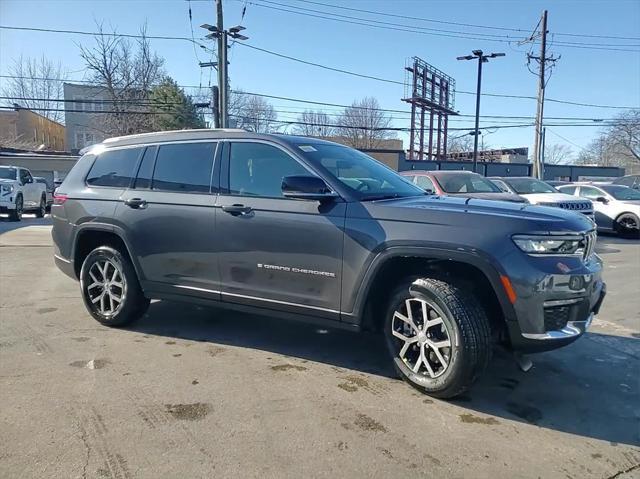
[(565, 139), (488, 27), (412, 29)]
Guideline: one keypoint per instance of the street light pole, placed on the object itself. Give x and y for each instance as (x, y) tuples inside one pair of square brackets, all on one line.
[(482, 58)]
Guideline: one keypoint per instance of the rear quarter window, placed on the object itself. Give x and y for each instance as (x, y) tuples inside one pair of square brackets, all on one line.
[(114, 168)]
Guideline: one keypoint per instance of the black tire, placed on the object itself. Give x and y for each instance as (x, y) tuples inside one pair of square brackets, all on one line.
[(464, 322), (42, 209), (16, 215), (627, 225), (133, 304)]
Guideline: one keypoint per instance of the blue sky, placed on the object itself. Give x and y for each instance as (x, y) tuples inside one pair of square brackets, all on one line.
[(582, 74)]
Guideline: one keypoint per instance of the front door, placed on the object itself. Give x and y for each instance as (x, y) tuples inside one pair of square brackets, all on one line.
[(276, 252), (30, 195), (169, 214)]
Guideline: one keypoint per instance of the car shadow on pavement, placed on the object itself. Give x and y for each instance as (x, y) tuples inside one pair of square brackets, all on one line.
[(589, 388)]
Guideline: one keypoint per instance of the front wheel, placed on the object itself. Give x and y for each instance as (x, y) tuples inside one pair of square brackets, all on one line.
[(16, 214), (438, 336), (110, 287), (627, 224)]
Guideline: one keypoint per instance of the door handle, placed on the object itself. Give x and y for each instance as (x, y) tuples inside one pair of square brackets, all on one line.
[(135, 203), (237, 210)]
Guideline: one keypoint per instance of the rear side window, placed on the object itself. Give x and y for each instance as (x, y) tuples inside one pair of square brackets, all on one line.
[(184, 167), (114, 168), (570, 190)]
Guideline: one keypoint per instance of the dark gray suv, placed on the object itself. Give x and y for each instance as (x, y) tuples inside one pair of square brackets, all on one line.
[(307, 229)]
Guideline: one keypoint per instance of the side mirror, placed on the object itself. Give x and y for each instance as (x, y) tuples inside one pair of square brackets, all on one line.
[(602, 199), (304, 187)]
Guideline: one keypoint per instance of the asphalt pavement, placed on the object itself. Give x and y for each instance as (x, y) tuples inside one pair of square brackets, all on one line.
[(195, 392)]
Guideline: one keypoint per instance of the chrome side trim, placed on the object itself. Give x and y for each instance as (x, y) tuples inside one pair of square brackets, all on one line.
[(193, 288), (561, 302), (571, 330), (60, 258), (255, 298), (286, 303)]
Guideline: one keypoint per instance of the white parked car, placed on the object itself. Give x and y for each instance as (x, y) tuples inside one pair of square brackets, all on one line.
[(19, 192), (537, 192), (617, 207)]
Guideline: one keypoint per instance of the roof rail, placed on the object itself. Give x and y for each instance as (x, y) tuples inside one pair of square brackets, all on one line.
[(161, 133)]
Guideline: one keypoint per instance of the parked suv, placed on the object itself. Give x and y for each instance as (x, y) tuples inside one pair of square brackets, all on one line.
[(307, 229), (19, 192)]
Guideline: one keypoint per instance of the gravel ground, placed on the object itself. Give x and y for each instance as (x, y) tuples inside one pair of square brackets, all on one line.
[(195, 392)]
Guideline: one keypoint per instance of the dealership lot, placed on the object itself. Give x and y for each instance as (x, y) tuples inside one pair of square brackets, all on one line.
[(196, 392)]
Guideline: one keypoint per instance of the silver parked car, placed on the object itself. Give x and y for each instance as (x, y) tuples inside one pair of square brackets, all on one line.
[(617, 207)]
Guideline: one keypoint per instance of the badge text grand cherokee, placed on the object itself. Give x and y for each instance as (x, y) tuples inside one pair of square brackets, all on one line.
[(307, 229)]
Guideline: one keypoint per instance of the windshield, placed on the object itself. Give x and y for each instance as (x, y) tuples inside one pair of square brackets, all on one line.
[(622, 192), (465, 183), (8, 173), (525, 186), (367, 178)]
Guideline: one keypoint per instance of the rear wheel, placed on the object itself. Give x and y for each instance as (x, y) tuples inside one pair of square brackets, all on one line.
[(110, 287), (627, 224), (16, 214), (42, 209), (438, 336)]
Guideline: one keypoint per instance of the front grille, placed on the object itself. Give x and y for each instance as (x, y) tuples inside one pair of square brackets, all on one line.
[(556, 317), (581, 206), (589, 244)]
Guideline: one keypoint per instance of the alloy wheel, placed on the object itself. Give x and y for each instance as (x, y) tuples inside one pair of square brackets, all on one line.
[(108, 288), (423, 339), (628, 223)]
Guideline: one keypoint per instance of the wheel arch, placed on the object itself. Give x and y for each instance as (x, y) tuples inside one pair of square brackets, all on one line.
[(91, 235), (461, 267)]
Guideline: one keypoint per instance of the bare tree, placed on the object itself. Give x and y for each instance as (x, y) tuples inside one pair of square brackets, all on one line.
[(253, 113), (557, 154), (36, 84), (460, 143), (364, 125), (616, 145), (125, 73), (315, 123)]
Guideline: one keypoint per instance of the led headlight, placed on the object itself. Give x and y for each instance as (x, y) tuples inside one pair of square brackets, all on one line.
[(551, 245)]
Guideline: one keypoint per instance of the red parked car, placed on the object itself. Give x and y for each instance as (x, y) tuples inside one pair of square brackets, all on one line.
[(459, 183)]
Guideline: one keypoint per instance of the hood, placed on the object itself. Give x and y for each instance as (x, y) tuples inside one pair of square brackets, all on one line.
[(473, 216), (491, 196), (552, 198), (5, 181)]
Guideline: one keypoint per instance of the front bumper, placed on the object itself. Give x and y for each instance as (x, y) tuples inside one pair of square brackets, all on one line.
[(7, 203), (559, 306)]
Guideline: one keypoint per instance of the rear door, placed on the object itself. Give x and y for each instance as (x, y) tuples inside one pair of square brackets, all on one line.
[(168, 218), (276, 252)]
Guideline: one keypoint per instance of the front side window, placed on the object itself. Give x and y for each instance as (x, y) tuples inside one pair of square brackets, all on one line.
[(622, 193), (569, 190), (184, 167), (114, 168), (502, 185), (590, 192), (465, 183), (256, 169), (525, 186), (425, 183), (365, 177)]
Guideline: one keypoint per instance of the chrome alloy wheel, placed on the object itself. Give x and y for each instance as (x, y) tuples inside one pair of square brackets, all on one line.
[(424, 340), (108, 288)]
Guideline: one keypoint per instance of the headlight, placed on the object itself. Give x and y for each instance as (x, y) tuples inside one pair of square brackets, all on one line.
[(551, 245), (7, 188)]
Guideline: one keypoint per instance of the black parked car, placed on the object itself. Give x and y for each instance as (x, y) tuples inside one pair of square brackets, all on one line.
[(307, 229)]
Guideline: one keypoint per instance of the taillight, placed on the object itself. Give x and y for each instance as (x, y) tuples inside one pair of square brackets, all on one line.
[(59, 198)]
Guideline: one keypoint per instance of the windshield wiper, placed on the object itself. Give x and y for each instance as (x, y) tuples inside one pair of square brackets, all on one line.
[(389, 196)]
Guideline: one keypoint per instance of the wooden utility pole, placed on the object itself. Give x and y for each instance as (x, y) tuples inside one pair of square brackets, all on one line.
[(222, 67), (537, 166)]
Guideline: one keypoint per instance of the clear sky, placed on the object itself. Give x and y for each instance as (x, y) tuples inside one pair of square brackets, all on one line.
[(582, 74)]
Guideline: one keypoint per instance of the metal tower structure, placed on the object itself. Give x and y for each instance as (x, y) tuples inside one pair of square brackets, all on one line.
[(430, 92)]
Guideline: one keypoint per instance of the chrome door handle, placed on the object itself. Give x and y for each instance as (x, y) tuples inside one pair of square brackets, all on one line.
[(135, 203), (237, 210)]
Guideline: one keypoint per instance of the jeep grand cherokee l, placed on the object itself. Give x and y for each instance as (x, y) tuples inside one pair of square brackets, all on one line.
[(307, 229)]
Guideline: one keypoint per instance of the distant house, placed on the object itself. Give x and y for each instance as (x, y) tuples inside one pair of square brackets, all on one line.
[(81, 116), (23, 128)]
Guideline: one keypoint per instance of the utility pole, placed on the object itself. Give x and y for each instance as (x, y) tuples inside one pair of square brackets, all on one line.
[(542, 158), (481, 59), (537, 166), (218, 32), (215, 106)]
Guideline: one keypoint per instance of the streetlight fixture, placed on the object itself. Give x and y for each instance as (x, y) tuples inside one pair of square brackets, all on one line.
[(482, 58)]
